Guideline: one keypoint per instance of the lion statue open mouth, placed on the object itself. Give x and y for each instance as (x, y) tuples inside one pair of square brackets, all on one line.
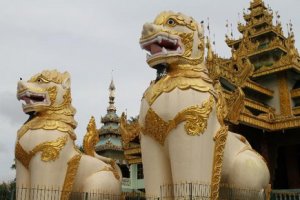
[(45, 152)]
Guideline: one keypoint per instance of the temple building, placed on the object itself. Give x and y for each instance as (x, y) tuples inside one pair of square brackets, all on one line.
[(261, 83), (263, 77), (110, 145)]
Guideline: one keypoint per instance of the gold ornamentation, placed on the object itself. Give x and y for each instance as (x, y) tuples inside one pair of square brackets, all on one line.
[(163, 18), (195, 117), (91, 138), (108, 145), (46, 124), (134, 161), (284, 97), (259, 88), (211, 63), (220, 142), (296, 110), (22, 156), (50, 76), (195, 79), (221, 106), (70, 176), (268, 192), (50, 151), (295, 93), (129, 131), (235, 104), (220, 138), (109, 169), (239, 69)]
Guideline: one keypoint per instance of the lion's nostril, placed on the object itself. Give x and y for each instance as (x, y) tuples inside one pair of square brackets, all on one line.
[(20, 78)]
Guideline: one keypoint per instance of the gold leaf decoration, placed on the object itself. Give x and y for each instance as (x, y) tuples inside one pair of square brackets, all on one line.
[(195, 117), (91, 138)]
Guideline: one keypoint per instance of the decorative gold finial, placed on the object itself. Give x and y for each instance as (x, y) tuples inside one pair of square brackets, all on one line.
[(112, 89)]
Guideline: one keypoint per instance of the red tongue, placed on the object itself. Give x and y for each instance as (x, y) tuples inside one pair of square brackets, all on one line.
[(26, 99), (155, 49)]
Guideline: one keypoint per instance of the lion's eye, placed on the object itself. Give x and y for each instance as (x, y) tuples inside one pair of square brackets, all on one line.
[(171, 22), (39, 80)]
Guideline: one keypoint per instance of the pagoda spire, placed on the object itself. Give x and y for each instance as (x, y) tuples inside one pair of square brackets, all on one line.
[(112, 88)]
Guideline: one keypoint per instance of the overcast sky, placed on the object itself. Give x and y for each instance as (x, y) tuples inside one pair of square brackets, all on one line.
[(90, 38)]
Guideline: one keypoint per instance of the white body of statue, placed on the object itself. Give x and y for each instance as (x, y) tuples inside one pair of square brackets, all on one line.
[(46, 155), (183, 137)]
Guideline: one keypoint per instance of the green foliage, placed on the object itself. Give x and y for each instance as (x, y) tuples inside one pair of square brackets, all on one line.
[(7, 190), (133, 119), (80, 147)]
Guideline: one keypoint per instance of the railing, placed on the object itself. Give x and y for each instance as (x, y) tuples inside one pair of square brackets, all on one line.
[(199, 191), (181, 191), (56, 194)]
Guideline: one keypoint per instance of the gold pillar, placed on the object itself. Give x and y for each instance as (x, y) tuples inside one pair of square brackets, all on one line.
[(284, 94)]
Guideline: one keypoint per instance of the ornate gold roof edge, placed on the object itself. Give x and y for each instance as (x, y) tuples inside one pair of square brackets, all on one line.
[(132, 151), (258, 106), (274, 125), (259, 88), (296, 110), (274, 70), (295, 93), (266, 49), (135, 161)]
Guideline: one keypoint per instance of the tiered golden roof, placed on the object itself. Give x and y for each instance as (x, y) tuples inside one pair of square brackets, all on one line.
[(263, 52)]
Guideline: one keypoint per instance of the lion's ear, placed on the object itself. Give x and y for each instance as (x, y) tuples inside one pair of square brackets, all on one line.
[(201, 30), (66, 84)]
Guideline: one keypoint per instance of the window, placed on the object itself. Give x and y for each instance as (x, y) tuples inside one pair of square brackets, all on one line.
[(140, 172)]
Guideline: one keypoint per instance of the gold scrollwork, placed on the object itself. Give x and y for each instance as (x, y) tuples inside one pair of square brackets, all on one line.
[(50, 151), (46, 124), (70, 176), (195, 117), (194, 79), (91, 138), (220, 142), (129, 131)]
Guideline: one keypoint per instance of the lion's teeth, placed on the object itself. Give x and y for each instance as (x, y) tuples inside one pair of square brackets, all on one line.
[(174, 42), (31, 102), (28, 94), (178, 50), (159, 39), (164, 50), (44, 96)]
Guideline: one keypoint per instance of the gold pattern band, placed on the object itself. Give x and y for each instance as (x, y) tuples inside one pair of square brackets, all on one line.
[(220, 142), (195, 117), (46, 124), (70, 177), (220, 138), (199, 82), (50, 151)]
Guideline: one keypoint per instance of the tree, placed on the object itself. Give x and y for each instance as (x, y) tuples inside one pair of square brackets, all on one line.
[(133, 119)]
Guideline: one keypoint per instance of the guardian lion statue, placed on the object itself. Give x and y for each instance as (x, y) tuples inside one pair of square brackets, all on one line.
[(183, 135), (46, 155)]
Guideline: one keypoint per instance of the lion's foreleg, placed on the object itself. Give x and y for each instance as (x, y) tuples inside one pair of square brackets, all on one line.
[(22, 182)]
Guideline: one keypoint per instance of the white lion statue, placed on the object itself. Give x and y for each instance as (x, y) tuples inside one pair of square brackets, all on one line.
[(46, 155), (183, 135)]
